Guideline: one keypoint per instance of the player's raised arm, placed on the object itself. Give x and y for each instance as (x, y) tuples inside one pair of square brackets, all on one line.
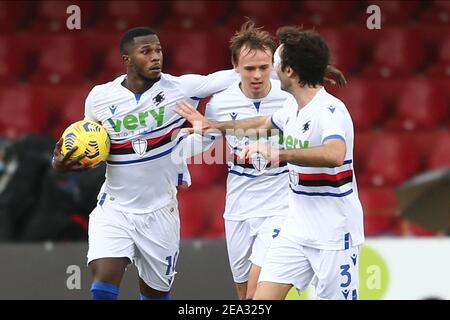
[(194, 85), (331, 153), (201, 125)]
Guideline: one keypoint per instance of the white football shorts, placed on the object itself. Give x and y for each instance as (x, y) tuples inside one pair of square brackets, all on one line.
[(334, 273), (151, 241), (248, 241)]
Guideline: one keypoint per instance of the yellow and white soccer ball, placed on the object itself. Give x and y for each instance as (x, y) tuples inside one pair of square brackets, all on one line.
[(90, 138)]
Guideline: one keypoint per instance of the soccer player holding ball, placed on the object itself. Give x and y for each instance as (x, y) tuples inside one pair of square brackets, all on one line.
[(136, 219)]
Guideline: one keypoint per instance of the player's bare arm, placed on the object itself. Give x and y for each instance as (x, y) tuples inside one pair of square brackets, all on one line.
[(200, 124), (330, 154), (63, 163)]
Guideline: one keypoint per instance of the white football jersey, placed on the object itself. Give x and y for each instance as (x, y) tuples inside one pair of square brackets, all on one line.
[(140, 175), (251, 193), (324, 201)]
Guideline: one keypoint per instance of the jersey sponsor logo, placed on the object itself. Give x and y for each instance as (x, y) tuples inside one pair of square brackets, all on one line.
[(158, 98), (233, 115), (306, 126), (331, 108), (259, 161), (133, 121), (113, 109), (290, 142), (139, 146)]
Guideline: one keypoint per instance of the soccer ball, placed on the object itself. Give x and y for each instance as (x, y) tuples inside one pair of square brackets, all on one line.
[(90, 138)]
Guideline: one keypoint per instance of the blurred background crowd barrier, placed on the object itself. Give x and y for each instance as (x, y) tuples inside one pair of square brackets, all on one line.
[(395, 268)]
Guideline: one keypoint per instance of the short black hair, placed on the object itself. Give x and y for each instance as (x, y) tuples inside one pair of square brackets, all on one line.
[(129, 36), (306, 52)]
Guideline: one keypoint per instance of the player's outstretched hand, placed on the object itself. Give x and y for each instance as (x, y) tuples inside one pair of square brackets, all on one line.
[(63, 163), (264, 149), (199, 123), (335, 76)]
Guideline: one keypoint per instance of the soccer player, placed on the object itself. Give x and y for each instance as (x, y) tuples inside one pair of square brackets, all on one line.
[(251, 221), (136, 219), (320, 240)]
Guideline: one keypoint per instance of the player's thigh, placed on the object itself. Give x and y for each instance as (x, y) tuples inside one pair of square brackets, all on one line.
[(157, 240), (109, 270), (108, 235), (267, 231), (286, 263), (271, 291), (336, 273), (239, 245)]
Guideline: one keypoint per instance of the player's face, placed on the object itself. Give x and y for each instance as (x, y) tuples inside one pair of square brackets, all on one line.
[(284, 80), (282, 74), (146, 56), (254, 67)]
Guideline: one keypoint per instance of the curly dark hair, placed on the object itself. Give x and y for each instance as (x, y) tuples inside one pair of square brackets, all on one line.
[(252, 37), (306, 52)]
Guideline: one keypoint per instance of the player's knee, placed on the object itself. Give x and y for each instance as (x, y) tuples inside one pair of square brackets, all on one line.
[(148, 293)]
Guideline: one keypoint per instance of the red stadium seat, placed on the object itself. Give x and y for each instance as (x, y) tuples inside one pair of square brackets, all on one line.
[(422, 105), (363, 140), (12, 60), (364, 102), (438, 13), (195, 15), (195, 52), (379, 205), (193, 220), (440, 154), (324, 13), (396, 12), (441, 68), (398, 53), (62, 59), (52, 15), (269, 14), (391, 159), (13, 15), (21, 112), (214, 212), (206, 175), (425, 141), (123, 15), (344, 49), (69, 111), (113, 66)]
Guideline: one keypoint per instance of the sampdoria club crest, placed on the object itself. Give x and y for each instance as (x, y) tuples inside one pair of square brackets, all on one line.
[(293, 178), (259, 161), (139, 146)]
